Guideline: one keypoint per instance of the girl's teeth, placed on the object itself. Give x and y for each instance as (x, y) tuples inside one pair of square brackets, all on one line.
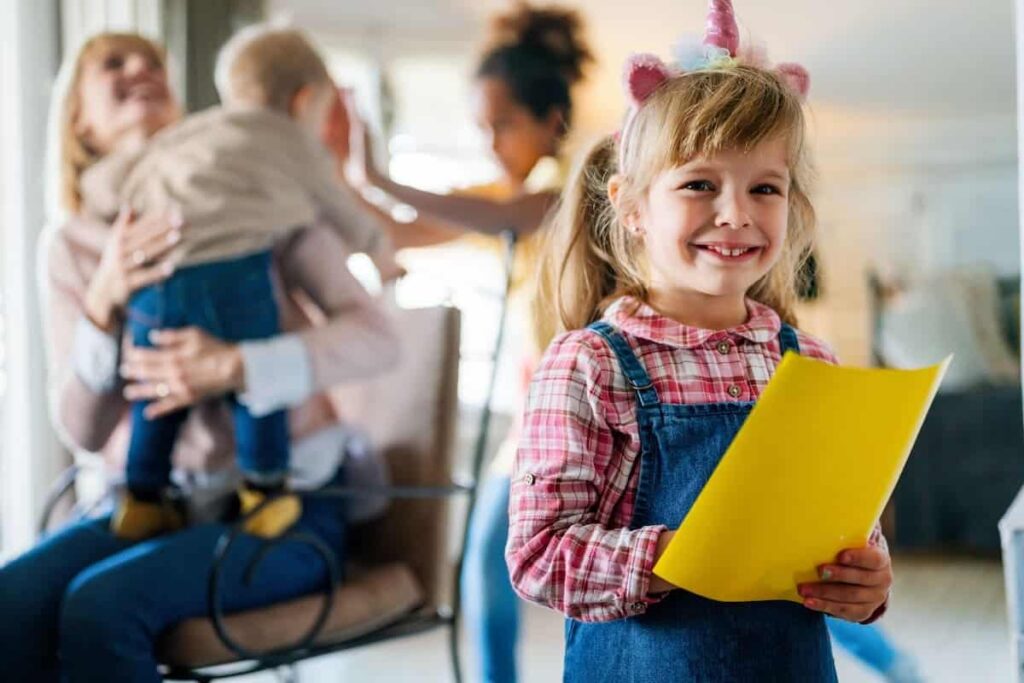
[(729, 252)]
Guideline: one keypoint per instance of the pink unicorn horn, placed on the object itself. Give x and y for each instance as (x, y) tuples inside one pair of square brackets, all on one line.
[(721, 30)]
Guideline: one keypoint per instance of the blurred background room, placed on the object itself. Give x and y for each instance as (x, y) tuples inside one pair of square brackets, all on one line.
[(914, 120)]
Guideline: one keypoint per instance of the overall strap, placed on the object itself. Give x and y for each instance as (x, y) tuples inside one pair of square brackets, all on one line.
[(631, 366), (788, 340)]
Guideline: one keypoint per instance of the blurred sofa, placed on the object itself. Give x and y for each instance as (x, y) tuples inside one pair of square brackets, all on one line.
[(968, 463)]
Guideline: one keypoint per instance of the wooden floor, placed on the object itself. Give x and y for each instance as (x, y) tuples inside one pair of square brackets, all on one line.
[(948, 612)]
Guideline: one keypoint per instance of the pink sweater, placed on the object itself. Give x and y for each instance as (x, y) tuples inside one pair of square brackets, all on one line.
[(343, 331)]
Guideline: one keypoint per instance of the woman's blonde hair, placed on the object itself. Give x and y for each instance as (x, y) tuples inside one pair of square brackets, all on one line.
[(591, 259), (74, 154)]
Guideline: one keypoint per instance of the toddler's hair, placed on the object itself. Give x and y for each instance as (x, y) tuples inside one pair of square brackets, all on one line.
[(591, 258), (266, 64)]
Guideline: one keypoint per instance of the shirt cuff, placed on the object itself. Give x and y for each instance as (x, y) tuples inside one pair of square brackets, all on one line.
[(94, 356), (638, 580), (278, 374)]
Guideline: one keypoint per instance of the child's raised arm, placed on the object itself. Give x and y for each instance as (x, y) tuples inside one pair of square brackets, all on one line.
[(568, 549)]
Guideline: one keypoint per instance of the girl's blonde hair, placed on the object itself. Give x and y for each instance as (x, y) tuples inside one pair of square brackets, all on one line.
[(74, 155), (591, 259)]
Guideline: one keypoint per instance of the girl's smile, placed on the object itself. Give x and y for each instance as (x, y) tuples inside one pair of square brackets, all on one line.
[(712, 228)]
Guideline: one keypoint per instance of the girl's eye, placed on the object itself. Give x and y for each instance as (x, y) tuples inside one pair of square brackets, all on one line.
[(699, 186), (766, 189)]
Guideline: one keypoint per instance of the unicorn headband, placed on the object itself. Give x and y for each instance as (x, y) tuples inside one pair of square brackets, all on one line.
[(720, 46)]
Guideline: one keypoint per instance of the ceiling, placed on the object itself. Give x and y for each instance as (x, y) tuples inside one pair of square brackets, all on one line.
[(934, 57)]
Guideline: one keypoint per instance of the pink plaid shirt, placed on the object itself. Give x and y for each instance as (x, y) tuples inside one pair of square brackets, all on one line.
[(570, 546)]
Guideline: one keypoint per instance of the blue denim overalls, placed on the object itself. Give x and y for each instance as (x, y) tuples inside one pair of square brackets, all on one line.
[(686, 637)]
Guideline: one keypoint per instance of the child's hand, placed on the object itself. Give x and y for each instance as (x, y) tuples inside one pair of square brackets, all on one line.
[(854, 587)]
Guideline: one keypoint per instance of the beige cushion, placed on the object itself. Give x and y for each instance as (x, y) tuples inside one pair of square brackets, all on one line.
[(362, 604)]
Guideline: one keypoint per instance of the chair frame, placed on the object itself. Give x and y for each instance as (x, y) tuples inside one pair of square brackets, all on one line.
[(416, 622)]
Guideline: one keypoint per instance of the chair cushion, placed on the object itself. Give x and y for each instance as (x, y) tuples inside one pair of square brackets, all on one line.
[(362, 604)]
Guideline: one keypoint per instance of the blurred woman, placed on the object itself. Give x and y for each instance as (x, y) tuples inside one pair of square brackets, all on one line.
[(84, 605)]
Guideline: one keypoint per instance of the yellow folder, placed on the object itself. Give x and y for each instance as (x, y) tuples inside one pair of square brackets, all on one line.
[(806, 477)]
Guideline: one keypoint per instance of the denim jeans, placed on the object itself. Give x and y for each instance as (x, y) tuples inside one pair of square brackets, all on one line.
[(86, 606), (490, 606), (234, 301)]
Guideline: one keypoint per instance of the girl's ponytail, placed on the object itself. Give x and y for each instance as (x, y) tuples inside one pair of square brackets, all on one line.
[(589, 259)]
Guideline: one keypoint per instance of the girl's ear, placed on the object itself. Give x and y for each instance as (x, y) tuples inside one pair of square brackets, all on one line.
[(628, 215), (643, 74), (796, 77)]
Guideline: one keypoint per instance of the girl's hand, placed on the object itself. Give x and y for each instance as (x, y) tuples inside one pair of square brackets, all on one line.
[(854, 587), (658, 584), (136, 255), (184, 367)]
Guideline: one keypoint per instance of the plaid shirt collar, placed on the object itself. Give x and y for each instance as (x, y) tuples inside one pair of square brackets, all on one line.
[(640, 320)]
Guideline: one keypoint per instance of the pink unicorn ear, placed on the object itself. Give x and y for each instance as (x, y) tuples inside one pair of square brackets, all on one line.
[(642, 76), (796, 77)]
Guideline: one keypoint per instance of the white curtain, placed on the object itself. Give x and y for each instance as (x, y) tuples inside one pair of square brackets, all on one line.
[(30, 456)]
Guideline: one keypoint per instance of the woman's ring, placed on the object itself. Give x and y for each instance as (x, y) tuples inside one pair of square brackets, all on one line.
[(162, 390), (138, 257)]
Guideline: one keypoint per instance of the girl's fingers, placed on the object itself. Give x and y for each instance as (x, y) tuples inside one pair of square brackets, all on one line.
[(873, 558), (842, 610), (838, 573), (841, 592)]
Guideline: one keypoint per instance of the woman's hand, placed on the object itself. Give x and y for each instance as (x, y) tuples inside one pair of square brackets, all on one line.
[(854, 587), (184, 367), (136, 255)]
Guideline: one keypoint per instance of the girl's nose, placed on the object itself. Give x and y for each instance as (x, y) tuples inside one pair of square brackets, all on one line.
[(732, 212)]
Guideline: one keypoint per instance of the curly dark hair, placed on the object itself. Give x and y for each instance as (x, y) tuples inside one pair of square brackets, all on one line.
[(540, 54)]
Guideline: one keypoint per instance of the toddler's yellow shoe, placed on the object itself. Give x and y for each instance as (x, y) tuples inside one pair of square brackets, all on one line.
[(274, 518), (137, 520)]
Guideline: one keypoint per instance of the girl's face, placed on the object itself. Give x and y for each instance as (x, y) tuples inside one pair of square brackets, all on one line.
[(714, 227), (122, 91), (517, 137)]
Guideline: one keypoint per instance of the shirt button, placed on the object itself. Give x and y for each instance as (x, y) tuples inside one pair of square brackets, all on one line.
[(724, 348), (734, 390), (529, 479)]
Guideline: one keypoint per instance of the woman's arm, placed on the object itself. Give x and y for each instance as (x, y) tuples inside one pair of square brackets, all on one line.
[(523, 214), (357, 339), (423, 231), (347, 137), (83, 315)]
